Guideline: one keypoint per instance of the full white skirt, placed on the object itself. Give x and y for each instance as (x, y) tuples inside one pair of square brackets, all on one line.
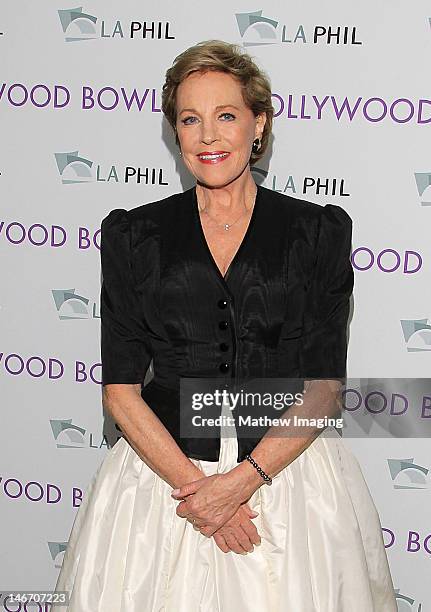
[(322, 547)]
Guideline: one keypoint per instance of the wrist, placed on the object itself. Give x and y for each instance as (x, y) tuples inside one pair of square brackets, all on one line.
[(247, 479), (190, 474)]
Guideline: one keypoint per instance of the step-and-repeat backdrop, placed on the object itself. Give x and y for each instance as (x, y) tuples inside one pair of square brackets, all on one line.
[(82, 133)]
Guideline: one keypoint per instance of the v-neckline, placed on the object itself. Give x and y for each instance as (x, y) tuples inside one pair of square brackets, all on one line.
[(246, 236)]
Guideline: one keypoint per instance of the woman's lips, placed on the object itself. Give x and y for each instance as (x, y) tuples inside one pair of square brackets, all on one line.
[(213, 158)]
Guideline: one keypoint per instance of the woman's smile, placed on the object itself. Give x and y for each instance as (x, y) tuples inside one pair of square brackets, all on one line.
[(214, 157)]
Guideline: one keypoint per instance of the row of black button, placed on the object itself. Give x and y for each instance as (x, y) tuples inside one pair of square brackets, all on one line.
[(222, 304)]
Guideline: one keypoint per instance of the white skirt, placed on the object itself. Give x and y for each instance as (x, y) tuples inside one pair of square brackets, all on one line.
[(321, 546)]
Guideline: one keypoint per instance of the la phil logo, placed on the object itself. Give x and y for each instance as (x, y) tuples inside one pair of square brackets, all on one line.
[(406, 474), (405, 603), (307, 185), (73, 168), (70, 305), (57, 550), (423, 181), (68, 435), (417, 334), (79, 26), (257, 30)]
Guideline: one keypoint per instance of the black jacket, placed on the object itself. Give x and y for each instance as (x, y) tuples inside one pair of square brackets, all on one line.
[(280, 311)]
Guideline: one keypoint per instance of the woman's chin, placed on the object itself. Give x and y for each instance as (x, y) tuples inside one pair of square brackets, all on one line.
[(216, 179)]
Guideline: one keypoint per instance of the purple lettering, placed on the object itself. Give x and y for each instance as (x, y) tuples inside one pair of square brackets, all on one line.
[(384, 111)]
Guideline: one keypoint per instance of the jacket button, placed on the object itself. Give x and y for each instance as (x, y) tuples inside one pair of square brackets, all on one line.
[(223, 367), (222, 303), (223, 346), (223, 324)]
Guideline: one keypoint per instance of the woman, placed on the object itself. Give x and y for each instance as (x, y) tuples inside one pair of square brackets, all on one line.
[(226, 282)]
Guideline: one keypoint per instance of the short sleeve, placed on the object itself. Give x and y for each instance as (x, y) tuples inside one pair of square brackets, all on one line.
[(125, 349), (324, 340)]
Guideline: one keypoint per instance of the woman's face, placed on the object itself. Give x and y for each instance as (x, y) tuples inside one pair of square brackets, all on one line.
[(213, 118)]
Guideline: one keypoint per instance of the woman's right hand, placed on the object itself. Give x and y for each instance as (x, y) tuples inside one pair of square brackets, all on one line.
[(238, 534)]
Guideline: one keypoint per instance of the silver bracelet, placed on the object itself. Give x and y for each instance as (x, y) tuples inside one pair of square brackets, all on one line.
[(266, 478)]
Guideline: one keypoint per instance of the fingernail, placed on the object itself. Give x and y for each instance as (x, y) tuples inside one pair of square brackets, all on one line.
[(258, 543), (175, 492), (243, 553)]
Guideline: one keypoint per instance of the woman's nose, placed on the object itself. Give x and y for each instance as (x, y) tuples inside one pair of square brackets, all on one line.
[(209, 133)]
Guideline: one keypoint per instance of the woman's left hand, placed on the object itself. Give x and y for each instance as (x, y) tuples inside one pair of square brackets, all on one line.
[(210, 501)]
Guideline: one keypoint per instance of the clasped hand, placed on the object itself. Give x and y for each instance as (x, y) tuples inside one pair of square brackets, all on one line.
[(215, 506)]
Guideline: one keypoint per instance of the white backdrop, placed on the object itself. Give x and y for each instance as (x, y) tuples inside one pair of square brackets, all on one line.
[(82, 133)]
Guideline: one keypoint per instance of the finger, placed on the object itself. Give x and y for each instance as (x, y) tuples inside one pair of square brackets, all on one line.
[(221, 543), (246, 506), (250, 529), (250, 512), (184, 511), (197, 524), (188, 489), (194, 523), (207, 530), (243, 539), (233, 543), (200, 527)]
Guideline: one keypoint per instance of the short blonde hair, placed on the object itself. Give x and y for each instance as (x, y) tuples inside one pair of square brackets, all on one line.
[(221, 56)]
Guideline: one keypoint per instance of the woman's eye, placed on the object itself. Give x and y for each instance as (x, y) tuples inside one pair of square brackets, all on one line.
[(187, 122), (186, 119)]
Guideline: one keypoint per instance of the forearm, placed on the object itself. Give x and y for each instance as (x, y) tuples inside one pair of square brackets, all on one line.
[(148, 436), (283, 444)]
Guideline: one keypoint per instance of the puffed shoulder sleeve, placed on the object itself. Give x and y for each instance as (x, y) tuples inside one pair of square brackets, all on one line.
[(125, 349), (324, 346)]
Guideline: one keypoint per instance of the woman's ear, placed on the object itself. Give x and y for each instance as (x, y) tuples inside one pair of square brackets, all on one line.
[(260, 123)]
